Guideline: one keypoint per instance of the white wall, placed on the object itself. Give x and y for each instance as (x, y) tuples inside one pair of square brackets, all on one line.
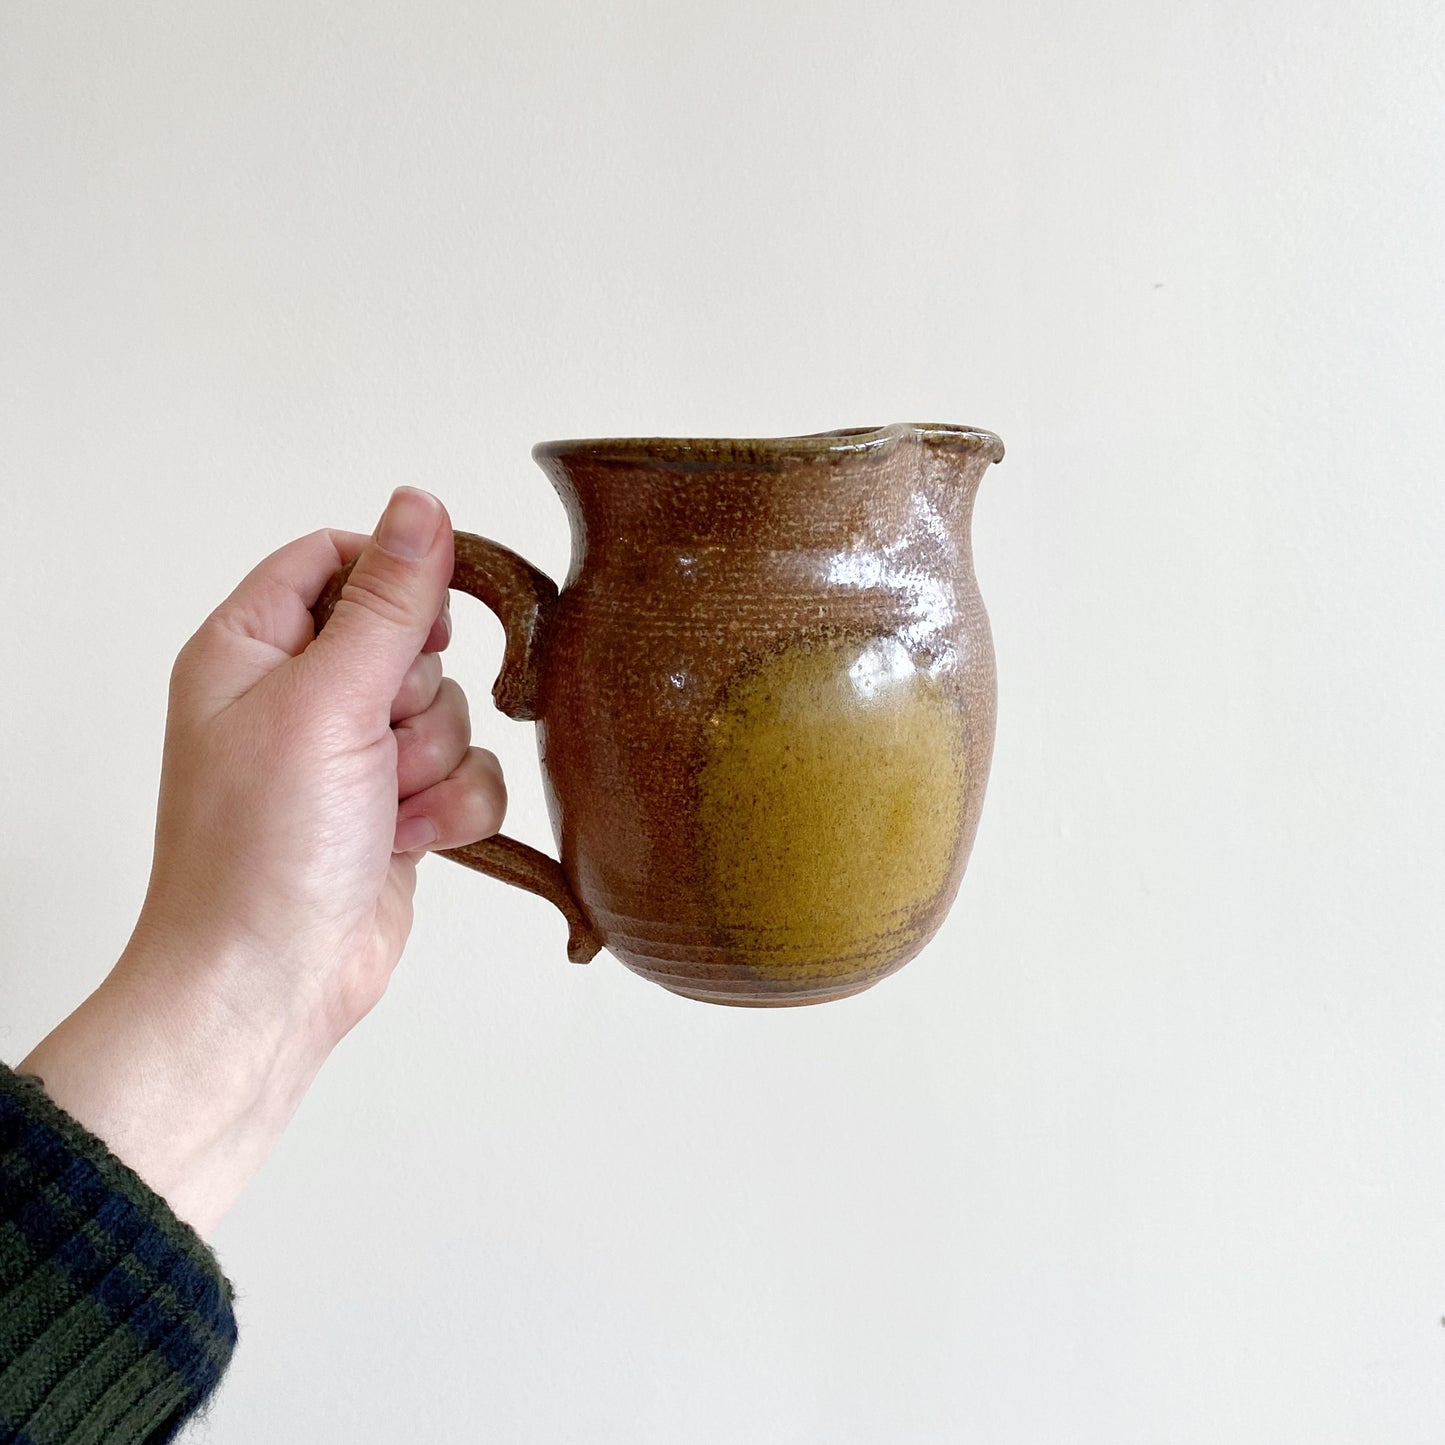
[(1150, 1144)]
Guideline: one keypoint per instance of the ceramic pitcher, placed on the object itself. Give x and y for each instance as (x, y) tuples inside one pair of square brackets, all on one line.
[(764, 700)]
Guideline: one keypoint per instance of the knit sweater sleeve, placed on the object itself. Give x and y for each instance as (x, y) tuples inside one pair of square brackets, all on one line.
[(116, 1322)]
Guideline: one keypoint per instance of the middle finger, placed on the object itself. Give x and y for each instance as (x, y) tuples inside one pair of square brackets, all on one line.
[(430, 745)]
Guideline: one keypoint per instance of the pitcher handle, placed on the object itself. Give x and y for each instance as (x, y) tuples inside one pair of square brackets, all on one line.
[(523, 599)]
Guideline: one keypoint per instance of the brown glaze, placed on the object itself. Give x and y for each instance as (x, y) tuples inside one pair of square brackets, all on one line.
[(764, 702)]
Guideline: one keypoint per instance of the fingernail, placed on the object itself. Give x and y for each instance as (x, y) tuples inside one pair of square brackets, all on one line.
[(409, 525), (414, 833)]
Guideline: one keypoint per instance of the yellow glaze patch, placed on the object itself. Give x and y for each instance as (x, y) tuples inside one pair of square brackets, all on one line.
[(830, 801)]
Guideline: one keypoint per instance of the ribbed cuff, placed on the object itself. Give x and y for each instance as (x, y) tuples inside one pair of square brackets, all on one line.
[(116, 1321)]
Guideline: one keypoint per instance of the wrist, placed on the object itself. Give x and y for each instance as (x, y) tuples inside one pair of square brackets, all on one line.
[(228, 988), (185, 1072)]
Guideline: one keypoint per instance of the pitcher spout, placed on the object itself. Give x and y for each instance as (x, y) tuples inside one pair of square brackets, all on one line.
[(961, 453), (968, 440)]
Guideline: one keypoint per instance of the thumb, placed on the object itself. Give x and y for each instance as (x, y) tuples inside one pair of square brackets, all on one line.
[(387, 607)]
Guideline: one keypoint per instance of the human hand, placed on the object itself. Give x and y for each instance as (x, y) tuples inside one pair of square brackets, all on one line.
[(279, 832), (303, 777)]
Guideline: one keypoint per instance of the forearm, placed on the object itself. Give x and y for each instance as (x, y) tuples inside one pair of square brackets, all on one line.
[(187, 1080)]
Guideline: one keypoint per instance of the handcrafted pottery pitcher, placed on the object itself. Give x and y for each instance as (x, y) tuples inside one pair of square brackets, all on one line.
[(764, 702)]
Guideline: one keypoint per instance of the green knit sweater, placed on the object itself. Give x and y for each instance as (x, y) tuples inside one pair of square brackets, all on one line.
[(115, 1319)]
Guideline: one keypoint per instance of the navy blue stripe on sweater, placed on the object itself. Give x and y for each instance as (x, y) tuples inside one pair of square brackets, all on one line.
[(9, 1435), (52, 1160), (127, 1231)]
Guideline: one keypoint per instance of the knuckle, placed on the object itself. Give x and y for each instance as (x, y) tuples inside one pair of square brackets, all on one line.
[(489, 795), (434, 745), (453, 695), (441, 750), (418, 687), (186, 661), (194, 656), (377, 592)]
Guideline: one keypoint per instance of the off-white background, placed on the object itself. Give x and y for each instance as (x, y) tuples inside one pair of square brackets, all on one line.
[(1149, 1146)]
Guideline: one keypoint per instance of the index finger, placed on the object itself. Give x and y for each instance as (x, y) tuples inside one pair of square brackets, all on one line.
[(272, 604)]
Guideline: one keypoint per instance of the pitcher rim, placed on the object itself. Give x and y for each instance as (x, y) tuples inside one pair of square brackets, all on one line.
[(708, 452)]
